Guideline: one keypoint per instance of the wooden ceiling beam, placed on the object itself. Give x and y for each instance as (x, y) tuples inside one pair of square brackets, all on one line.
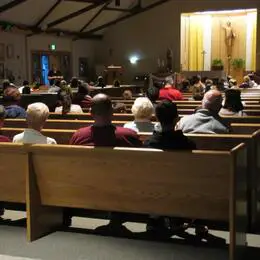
[(123, 18), (75, 14), (11, 5)]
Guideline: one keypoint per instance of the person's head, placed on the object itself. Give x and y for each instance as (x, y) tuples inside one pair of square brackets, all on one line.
[(2, 115), (83, 89), (233, 100), (102, 109), (37, 114), (74, 83), (212, 101), (209, 82), (142, 109), (11, 96), (127, 94), (246, 79), (169, 81), (196, 79), (185, 84), (167, 114), (5, 83), (153, 94), (232, 82), (26, 90), (25, 83), (66, 102)]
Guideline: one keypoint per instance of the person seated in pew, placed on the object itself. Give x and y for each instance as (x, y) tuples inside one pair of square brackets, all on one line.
[(198, 88), (3, 139), (169, 91), (66, 105), (25, 84), (74, 83), (205, 119), (82, 97), (232, 104), (11, 100), (142, 110), (102, 132), (185, 86), (37, 114), (120, 107), (167, 138), (153, 94)]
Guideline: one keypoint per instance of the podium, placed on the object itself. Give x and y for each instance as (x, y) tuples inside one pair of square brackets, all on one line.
[(113, 73)]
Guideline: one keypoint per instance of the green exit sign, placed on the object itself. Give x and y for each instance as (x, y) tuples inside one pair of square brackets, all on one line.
[(52, 47)]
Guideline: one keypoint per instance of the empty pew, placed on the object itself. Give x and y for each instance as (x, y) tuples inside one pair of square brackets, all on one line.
[(192, 194)]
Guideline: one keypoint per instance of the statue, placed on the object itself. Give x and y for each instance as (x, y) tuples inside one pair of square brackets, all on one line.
[(169, 60), (229, 38)]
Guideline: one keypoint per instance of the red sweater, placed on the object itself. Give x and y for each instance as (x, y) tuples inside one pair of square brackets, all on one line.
[(170, 94), (4, 139), (109, 136)]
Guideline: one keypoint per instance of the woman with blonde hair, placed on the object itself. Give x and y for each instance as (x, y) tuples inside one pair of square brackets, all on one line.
[(143, 110)]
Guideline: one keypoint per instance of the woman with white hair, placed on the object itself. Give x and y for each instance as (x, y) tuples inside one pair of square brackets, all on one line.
[(143, 110), (37, 114)]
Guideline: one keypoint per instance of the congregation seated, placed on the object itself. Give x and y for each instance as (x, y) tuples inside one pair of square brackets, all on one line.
[(169, 91), (11, 99), (198, 89), (82, 97), (120, 107), (2, 118), (66, 106), (246, 83), (168, 139), (232, 104), (142, 110), (206, 118), (103, 132), (37, 114)]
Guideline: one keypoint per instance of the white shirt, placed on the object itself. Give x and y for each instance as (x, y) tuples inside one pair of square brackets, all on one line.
[(74, 109), (21, 89), (140, 126), (30, 136)]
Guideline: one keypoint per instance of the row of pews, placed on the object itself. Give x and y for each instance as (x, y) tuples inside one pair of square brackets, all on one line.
[(219, 182)]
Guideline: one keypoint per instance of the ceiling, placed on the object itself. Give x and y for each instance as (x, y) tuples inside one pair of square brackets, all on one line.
[(77, 18)]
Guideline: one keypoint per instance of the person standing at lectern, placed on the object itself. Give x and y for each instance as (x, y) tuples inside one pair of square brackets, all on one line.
[(54, 75)]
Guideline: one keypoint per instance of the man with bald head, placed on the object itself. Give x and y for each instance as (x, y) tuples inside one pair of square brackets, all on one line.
[(206, 118), (102, 132)]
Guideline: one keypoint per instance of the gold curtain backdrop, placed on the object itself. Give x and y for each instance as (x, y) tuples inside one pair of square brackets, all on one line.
[(192, 41)]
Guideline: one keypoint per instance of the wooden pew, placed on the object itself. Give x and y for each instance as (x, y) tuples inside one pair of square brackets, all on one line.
[(13, 166), (192, 194)]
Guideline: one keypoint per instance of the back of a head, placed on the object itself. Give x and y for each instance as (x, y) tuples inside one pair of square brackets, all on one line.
[(66, 102), (83, 89), (127, 94), (101, 106), (169, 81), (153, 93), (11, 95), (6, 84), (233, 100), (212, 101), (74, 82), (2, 112), (142, 108), (246, 79), (166, 113), (37, 114), (26, 90), (25, 83)]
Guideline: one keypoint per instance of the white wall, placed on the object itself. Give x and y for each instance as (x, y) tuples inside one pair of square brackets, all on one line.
[(21, 63), (151, 33)]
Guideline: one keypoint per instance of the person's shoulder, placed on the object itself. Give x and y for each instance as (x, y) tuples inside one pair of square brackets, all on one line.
[(51, 140), (4, 139), (83, 130), (125, 131), (18, 138)]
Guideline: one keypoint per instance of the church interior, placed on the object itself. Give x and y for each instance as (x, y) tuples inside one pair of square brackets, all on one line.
[(129, 129)]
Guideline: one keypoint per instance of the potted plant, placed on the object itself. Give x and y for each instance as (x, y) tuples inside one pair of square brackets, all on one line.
[(238, 67), (217, 64)]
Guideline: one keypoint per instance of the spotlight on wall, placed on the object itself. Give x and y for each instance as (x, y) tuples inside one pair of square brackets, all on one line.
[(133, 59)]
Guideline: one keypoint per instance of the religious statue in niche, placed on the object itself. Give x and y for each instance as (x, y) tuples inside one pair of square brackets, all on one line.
[(229, 38), (169, 60)]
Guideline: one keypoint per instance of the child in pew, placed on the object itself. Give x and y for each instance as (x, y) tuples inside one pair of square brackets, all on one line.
[(37, 114)]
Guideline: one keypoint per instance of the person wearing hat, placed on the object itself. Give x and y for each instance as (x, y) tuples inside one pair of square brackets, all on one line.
[(11, 99)]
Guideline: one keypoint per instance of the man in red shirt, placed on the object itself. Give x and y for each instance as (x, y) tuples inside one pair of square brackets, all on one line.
[(169, 92), (102, 132), (2, 117)]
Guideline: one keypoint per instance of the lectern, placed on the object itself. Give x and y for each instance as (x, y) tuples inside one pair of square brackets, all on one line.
[(113, 73)]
